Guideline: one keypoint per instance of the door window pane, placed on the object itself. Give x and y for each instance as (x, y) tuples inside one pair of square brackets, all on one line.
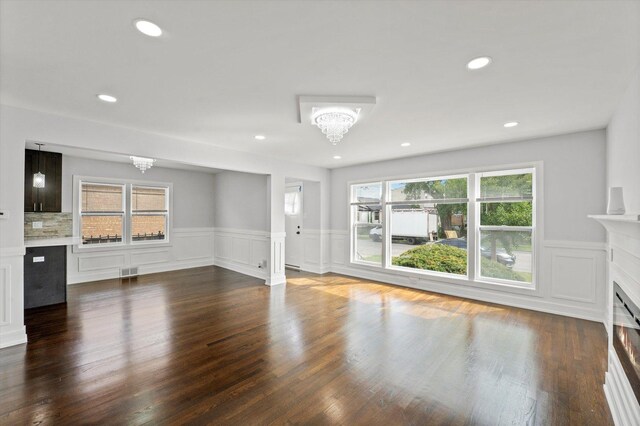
[(506, 255)]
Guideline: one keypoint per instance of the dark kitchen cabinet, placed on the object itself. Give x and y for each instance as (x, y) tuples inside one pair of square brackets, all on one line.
[(45, 276), (49, 198)]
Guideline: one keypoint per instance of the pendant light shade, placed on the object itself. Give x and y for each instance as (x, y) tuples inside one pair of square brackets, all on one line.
[(38, 178)]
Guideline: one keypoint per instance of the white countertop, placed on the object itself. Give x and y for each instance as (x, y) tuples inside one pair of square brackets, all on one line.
[(47, 242)]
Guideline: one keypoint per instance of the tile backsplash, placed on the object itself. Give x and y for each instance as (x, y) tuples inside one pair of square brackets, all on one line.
[(54, 225)]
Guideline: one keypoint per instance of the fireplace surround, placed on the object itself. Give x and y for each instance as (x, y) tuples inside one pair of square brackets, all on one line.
[(622, 380)]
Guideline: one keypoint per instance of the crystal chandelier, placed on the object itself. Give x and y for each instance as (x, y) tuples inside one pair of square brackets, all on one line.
[(334, 122), (142, 163)]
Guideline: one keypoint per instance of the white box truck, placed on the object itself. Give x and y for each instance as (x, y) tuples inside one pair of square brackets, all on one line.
[(411, 225)]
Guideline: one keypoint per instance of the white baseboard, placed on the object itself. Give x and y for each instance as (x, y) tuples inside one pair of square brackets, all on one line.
[(14, 337), (243, 269), (143, 270)]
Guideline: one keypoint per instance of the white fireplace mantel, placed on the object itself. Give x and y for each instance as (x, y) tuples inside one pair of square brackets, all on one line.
[(628, 224), (624, 269)]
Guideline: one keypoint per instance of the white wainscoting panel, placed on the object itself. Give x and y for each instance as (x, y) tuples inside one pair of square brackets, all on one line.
[(5, 295), (12, 329), (187, 248), (576, 273), (241, 250), (316, 251), (339, 247)]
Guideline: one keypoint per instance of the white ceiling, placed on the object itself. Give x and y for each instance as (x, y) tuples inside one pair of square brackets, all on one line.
[(228, 70)]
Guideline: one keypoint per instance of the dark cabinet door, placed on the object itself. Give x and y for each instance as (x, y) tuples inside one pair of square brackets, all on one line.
[(49, 198), (51, 194), (45, 280), (30, 193)]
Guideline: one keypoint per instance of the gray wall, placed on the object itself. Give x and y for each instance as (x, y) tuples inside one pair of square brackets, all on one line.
[(241, 201), (193, 196), (574, 178), (623, 146)]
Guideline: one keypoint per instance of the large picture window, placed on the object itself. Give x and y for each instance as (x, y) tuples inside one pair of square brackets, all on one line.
[(429, 213), (117, 213), (476, 226)]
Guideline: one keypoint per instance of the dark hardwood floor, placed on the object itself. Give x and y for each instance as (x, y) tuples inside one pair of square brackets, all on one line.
[(209, 345)]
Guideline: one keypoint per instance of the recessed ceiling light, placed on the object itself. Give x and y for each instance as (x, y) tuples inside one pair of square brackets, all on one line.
[(107, 98), (148, 28), (337, 157), (260, 137), (511, 124), (477, 63), (405, 144)]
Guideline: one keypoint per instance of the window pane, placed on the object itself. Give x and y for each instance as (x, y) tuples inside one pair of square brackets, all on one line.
[(428, 189), (291, 203), (101, 229), (366, 193), (507, 214), (367, 233), (440, 230), (148, 199), (506, 255), (101, 198), (148, 227), (518, 185)]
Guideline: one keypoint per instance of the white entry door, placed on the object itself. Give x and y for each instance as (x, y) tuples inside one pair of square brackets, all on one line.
[(293, 225)]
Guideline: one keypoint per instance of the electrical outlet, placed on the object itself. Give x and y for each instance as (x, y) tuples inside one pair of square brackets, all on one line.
[(36, 225)]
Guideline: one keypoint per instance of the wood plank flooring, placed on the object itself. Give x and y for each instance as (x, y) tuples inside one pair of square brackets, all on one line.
[(211, 346)]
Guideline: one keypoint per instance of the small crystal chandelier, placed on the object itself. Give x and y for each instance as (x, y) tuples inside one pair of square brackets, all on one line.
[(334, 122), (38, 178), (142, 163)]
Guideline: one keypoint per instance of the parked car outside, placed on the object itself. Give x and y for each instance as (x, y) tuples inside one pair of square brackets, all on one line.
[(502, 256)]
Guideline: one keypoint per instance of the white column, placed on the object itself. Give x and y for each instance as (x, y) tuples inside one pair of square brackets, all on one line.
[(276, 187)]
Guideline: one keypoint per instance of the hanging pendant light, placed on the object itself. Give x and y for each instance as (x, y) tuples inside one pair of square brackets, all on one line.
[(38, 178)]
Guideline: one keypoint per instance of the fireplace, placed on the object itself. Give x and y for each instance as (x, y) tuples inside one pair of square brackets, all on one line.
[(626, 336)]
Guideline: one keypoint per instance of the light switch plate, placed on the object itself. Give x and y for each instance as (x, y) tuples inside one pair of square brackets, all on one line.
[(38, 259), (36, 225)]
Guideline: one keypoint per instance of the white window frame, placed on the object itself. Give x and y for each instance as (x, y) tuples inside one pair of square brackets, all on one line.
[(352, 223), (126, 242), (166, 213), (478, 228), (473, 278)]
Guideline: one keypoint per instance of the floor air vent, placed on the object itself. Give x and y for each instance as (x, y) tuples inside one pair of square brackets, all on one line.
[(129, 272)]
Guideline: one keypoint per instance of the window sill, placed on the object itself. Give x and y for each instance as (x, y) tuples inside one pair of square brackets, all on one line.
[(506, 287), (118, 247)]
